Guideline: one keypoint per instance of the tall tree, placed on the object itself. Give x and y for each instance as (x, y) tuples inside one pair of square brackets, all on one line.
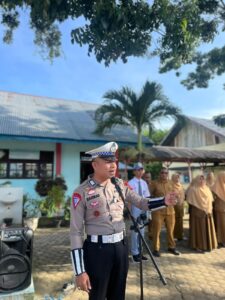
[(118, 28), (125, 107), (113, 29), (158, 134)]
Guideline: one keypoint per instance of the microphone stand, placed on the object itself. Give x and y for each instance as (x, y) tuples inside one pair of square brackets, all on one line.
[(141, 240)]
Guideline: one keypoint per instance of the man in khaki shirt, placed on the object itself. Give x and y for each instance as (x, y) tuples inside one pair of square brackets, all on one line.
[(101, 262), (160, 188)]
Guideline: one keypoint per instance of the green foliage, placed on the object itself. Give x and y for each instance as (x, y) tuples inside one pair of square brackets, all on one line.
[(67, 209), (53, 201), (44, 185), (156, 135), (125, 107), (31, 206), (119, 29), (54, 192), (219, 120), (113, 30), (154, 168)]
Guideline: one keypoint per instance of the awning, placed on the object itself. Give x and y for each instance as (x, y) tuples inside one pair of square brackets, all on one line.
[(178, 154), (173, 154)]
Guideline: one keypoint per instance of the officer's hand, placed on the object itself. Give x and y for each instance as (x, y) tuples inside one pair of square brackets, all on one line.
[(83, 282), (171, 199)]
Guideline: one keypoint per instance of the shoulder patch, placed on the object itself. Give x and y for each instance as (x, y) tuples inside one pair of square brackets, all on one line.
[(76, 198), (127, 185)]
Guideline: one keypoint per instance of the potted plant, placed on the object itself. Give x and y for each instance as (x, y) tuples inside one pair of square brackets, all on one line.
[(31, 211), (53, 203)]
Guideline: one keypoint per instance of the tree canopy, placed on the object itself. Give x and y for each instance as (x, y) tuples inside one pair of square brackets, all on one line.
[(125, 107), (118, 29)]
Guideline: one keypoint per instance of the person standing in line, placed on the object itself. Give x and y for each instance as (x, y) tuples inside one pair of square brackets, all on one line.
[(141, 188), (148, 178), (100, 263), (210, 179), (179, 207), (161, 187), (218, 190), (202, 235)]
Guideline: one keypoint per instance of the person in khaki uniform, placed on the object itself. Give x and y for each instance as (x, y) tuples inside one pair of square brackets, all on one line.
[(161, 187), (179, 207), (218, 190), (100, 262)]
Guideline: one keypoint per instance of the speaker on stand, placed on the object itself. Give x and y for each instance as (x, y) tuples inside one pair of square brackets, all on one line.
[(16, 249)]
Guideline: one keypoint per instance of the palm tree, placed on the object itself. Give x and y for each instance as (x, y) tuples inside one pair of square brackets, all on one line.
[(127, 108)]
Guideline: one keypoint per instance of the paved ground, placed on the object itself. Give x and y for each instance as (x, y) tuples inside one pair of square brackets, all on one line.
[(189, 276)]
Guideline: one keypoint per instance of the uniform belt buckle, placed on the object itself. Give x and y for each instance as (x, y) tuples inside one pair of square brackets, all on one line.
[(106, 239)]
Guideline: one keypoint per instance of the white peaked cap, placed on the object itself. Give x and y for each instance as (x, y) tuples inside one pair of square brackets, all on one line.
[(107, 151)]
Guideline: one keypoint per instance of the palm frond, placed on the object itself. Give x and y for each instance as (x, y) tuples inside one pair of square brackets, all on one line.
[(125, 107)]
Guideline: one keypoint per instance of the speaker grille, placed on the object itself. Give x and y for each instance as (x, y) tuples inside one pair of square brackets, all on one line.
[(15, 270)]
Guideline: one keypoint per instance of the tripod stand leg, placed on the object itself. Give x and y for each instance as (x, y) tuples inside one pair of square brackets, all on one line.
[(141, 270)]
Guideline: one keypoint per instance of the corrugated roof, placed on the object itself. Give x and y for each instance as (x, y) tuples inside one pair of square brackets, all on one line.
[(206, 123), (42, 117), (183, 154)]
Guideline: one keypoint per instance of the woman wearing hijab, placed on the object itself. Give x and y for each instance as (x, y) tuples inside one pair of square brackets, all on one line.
[(179, 207), (210, 180), (218, 190), (202, 229)]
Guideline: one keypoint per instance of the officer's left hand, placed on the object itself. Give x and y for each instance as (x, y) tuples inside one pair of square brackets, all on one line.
[(171, 199)]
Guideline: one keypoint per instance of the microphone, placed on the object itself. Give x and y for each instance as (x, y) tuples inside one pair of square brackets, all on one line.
[(115, 181)]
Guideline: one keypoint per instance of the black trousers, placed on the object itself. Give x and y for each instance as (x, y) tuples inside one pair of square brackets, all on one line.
[(107, 267)]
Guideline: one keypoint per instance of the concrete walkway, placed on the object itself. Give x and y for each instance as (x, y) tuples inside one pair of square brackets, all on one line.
[(189, 276)]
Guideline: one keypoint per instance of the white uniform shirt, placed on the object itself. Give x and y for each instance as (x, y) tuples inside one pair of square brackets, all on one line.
[(134, 183)]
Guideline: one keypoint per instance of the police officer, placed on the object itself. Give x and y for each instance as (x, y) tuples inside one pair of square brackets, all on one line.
[(101, 262)]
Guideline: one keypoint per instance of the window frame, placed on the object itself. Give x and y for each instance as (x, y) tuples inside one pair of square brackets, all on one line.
[(46, 157)]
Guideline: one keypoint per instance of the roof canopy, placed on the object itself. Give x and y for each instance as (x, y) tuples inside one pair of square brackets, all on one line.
[(178, 154), (174, 154)]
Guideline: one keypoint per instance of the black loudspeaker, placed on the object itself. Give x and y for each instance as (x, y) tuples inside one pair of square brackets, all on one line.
[(16, 249)]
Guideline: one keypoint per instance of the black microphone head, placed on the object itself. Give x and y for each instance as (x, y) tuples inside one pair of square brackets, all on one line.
[(113, 180)]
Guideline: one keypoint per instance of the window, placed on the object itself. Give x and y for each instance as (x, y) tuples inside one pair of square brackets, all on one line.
[(3, 170), (31, 167), (16, 170), (46, 170), (31, 170)]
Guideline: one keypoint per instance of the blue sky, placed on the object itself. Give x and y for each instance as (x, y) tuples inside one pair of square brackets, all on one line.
[(75, 76)]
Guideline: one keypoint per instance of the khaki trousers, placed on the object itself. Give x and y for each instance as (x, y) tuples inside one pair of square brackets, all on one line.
[(157, 222)]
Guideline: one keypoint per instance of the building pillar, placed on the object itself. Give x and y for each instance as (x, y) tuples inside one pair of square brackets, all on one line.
[(58, 159)]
